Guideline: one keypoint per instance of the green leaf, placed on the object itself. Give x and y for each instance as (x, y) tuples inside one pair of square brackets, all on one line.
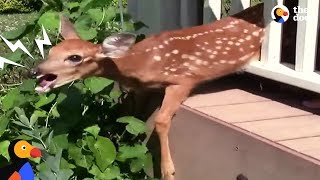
[(105, 152), (111, 172), (95, 14), (44, 100), (15, 56), (136, 165), (22, 116), (4, 121), (94, 130), (71, 5), (14, 34), (50, 20), (54, 161), (64, 174), (81, 160), (135, 126), (110, 13), (127, 152), (87, 34), (13, 98), (58, 142), (47, 175), (64, 164), (27, 85), (97, 84), (4, 149)]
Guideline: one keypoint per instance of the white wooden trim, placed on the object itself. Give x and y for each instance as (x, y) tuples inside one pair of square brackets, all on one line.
[(215, 6), (271, 46), (307, 38), (286, 75), (239, 5)]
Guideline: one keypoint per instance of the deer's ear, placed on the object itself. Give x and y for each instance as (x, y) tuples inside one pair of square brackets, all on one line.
[(117, 45), (67, 30)]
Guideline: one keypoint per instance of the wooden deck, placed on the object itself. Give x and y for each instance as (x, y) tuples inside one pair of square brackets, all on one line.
[(272, 116)]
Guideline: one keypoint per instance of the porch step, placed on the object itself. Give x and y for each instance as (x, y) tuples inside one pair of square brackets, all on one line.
[(233, 132)]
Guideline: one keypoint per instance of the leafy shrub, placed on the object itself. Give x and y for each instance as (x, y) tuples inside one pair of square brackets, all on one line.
[(78, 125), (19, 6)]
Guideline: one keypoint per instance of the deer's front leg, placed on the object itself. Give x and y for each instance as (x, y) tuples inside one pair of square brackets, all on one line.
[(174, 96)]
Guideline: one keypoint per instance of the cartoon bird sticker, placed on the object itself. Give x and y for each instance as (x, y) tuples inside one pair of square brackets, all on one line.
[(279, 13), (20, 168)]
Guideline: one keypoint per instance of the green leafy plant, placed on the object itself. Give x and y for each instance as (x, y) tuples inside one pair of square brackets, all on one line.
[(79, 126), (19, 6)]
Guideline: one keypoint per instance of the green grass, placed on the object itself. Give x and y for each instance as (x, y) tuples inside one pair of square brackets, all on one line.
[(10, 22)]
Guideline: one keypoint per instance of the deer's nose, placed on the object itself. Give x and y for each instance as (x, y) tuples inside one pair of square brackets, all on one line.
[(33, 73)]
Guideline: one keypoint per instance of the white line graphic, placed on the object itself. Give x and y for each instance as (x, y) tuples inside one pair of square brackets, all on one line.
[(45, 41)]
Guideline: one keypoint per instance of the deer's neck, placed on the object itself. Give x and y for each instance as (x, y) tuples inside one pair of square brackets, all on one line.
[(120, 70)]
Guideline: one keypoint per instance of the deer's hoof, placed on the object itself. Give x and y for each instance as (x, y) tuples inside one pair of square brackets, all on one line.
[(168, 171)]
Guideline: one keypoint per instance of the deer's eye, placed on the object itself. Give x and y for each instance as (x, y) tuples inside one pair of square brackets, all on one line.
[(75, 58)]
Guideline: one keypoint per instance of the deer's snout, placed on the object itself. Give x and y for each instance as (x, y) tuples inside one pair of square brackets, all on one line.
[(33, 73)]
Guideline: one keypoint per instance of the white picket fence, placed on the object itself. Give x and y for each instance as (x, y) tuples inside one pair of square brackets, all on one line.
[(303, 74)]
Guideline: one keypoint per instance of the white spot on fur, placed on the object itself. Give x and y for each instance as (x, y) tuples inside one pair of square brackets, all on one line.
[(241, 49), (255, 33), (238, 44), (192, 57), (212, 56), (155, 48), (198, 61), (198, 45), (228, 48), (184, 56), (209, 51), (224, 52), (175, 51), (186, 64), (198, 53), (218, 47), (167, 54), (205, 63), (161, 46), (252, 46), (166, 42), (147, 50), (157, 58), (219, 42), (219, 30), (246, 57), (206, 43), (245, 30), (231, 62), (230, 42), (222, 61), (241, 40), (248, 37), (173, 69), (166, 73)]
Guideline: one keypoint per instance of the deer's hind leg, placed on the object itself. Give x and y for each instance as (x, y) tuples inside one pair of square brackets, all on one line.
[(174, 96)]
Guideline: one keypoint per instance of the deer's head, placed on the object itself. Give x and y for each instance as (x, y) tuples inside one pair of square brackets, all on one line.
[(74, 58)]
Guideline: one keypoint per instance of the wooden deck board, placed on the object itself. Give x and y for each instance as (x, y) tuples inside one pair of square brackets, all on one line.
[(227, 97), (285, 128), (252, 111), (283, 122), (309, 146)]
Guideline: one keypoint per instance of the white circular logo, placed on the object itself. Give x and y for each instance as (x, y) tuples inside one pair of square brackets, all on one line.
[(280, 13)]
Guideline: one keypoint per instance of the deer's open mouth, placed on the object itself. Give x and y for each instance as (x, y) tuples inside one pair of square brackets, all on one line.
[(46, 82)]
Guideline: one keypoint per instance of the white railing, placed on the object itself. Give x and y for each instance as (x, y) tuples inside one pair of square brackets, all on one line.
[(303, 73)]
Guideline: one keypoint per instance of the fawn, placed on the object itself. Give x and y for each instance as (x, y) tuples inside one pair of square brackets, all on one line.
[(175, 60)]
